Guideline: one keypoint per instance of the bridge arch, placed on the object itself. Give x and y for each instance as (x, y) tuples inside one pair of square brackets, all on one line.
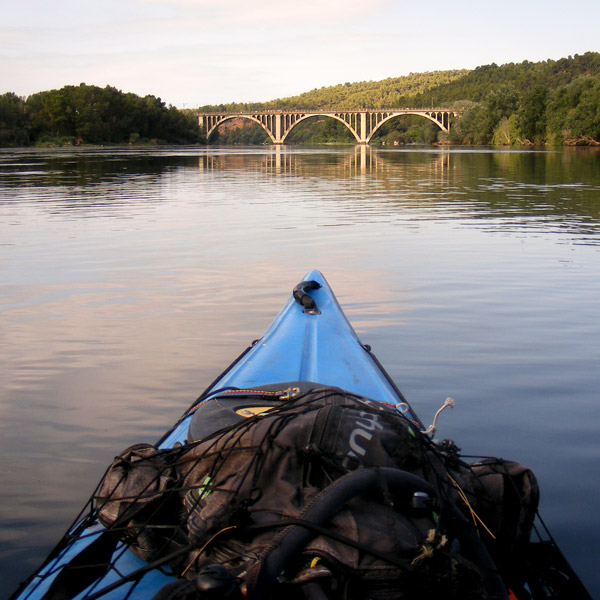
[(214, 125), (313, 115), (439, 120)]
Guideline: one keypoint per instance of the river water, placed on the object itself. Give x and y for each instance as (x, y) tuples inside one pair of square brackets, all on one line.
[(130, 278)]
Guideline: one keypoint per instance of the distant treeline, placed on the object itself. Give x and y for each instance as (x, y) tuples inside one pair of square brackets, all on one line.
[(550, 102), (87, 114)]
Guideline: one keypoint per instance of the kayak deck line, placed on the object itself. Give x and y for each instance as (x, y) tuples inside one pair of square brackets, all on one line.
[(302, 434)]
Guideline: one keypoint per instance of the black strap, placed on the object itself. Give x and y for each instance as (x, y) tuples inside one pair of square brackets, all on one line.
[(301, 296)]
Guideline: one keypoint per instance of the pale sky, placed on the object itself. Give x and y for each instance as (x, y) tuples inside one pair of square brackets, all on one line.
[(196, 52)]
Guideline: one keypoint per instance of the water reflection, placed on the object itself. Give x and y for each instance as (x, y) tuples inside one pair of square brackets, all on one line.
[(289, 161), (561, 166), (515, 189)]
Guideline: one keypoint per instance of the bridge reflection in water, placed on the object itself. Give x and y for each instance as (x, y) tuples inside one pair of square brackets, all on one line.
[(278, 160), (362, 124)]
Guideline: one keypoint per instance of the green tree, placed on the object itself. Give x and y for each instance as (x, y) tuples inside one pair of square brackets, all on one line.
[(507, 133), (584, 119), (531, 114), (498, 104), (13, 121), (471, 128), (574, 110)]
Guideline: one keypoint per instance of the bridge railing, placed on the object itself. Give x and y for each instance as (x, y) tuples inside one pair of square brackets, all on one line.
[(325, 111)]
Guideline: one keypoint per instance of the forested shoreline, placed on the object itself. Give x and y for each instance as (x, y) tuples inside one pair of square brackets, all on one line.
[(88, 114), (553, 102)]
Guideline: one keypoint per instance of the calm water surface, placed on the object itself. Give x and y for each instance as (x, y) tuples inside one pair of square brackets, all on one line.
[(129, 279)]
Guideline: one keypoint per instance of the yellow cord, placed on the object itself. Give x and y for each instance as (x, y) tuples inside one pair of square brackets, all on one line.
[(474, 515), (199, 552)]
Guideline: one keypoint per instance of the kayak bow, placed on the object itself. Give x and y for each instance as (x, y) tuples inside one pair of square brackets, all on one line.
[(313, 343)]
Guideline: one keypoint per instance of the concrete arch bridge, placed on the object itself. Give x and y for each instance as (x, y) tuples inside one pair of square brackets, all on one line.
[(362, 124)]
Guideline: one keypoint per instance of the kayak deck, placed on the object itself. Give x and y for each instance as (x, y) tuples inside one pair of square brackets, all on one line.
[(316, 345)]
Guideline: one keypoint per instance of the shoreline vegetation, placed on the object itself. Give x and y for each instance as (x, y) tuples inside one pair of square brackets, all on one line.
[(547, 103)]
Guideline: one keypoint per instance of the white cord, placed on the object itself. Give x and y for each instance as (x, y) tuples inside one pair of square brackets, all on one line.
[(402, 407), (448, 403)]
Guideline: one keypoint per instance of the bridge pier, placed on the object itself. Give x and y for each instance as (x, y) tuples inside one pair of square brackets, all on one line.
[(277, 139), (363, 138)]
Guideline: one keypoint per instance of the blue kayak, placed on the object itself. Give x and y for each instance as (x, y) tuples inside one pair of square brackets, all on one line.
[(314, 343), (242, 498)]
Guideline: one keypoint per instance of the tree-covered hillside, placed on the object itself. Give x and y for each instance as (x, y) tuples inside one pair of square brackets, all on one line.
[(548, 102), (392, 92)]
